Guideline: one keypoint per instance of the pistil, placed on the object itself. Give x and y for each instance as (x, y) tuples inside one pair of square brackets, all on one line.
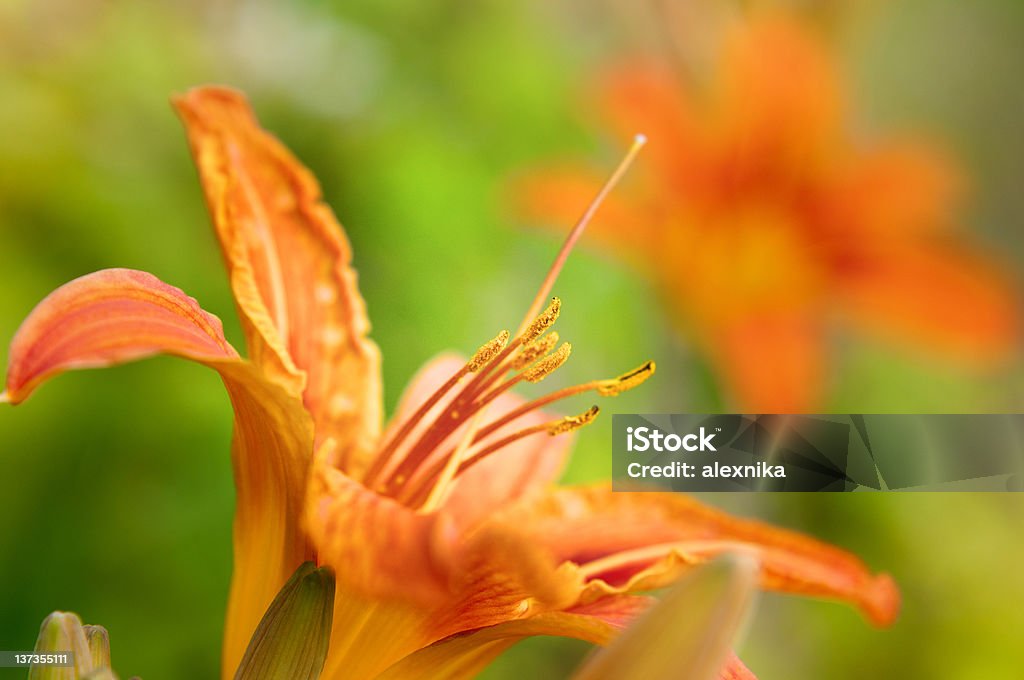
[(409, 481)]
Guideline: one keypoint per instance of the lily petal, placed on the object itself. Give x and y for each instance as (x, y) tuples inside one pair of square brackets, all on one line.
[(939, 297), (902, 190), (773, 362), (377, 546), (624, 542), (463, 656), (118, 315), (382, 549), (109, 317), (270, 453), (785, 111), (289, 266)]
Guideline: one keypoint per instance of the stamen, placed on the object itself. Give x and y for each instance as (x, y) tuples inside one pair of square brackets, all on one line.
[(471, 402), (553, 428), (613, 387), (626, 381), (534, 350), (498, 368), (543, 322), (548, 364), (445, 471), (382, 459), (440, 490), (487, 352), (491, 363), (540, 370), (570, 423), (528, 330), (500, 365)]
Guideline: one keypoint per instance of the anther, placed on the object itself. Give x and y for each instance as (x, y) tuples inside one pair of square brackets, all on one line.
[(487, 352), (548, 364), (570, 423), (543, 321), (626, 381), (535, 350)]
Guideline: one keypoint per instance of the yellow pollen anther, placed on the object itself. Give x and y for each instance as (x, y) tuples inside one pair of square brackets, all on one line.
[(487, 352), (535, 350), (543, 322), (570, 423), (548, 364), (626, 381)]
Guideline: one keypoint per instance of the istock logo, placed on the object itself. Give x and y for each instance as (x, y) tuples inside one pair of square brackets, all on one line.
[(647, 439)]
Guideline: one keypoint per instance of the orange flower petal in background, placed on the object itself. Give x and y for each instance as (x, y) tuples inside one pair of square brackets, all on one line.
[(901, 191), (762, 220), (776, 100), (446, 537), (945, 298), (754, 350)]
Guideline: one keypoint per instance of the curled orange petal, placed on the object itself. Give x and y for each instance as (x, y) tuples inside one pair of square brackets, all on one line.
[(289, 266), (109, 317), (623, 542), (119, 315)]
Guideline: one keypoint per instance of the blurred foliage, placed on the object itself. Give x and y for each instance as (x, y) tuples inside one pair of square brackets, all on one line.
[(118, 497)]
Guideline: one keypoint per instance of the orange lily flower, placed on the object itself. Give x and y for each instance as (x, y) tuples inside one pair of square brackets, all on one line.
[(762, 219), (448, 541)]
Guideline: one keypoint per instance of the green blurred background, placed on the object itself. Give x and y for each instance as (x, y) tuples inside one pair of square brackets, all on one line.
[(117, 497)]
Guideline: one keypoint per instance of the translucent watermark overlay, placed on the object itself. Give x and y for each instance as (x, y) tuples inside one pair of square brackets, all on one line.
[(734, 452), (29, 659)]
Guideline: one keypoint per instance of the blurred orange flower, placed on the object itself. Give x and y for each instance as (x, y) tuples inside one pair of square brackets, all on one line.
[(762, 219), (448, 540)]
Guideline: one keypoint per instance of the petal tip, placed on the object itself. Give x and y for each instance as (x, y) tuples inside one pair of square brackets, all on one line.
[(882, 601), (203, 103), (208, 91), (14, 394)]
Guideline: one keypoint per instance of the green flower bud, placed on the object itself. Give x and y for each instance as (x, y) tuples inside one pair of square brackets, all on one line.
[(99, 646), (690, 632), (62, 632), (292, 638)]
